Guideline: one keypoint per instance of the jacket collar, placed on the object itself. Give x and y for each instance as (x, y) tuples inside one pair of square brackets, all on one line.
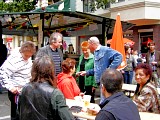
[(106, 101)]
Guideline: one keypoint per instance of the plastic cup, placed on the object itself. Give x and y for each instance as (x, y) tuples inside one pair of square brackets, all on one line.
[(78, 98), (86, 100)]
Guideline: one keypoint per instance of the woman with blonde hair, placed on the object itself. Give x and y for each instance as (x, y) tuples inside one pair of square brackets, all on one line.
[(86, 61)]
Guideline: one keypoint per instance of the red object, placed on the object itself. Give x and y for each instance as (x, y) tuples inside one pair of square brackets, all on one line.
[(148, 41), (82, 36), (125, 40), (23, 24), (68, 86), (118, 42), (9, 39), (43, 8)]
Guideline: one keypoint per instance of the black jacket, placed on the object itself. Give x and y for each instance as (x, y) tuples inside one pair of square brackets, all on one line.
[(119, 106), (40, 101)]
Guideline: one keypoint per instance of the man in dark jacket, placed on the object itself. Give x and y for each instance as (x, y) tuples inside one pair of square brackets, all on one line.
[(53, 50), (116, 106), (153, 59), (3, 57)]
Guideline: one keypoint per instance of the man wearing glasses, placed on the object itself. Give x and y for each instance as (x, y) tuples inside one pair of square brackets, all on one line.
[(53, 50)]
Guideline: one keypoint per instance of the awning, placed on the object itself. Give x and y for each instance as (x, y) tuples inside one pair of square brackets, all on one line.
[(20, 23)]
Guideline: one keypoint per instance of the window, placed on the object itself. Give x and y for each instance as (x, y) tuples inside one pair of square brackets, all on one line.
[(86, 6), (121, 0)]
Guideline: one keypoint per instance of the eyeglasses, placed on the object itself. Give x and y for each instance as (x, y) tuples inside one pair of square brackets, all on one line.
[(90, 41)]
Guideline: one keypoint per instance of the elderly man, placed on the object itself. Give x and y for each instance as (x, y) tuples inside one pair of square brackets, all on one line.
[(116, 106), (16, 72), (104, 57), (53, 50)]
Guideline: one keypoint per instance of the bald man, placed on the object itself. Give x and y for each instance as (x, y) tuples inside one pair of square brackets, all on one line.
[(104, 57)]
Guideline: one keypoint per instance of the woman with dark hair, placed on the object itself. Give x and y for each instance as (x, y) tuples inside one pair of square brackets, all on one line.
[(66, 82), (40, 99), (146, 96), (131, 64)]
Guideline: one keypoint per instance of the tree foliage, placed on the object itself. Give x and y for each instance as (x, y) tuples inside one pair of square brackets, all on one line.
[(97, 4), (18, 6)]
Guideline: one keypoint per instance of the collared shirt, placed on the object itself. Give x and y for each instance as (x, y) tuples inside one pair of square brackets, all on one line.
[(15, 72), (99, 46)]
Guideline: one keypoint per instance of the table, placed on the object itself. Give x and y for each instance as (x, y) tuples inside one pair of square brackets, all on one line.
[(84, 115), (129, 89), (149, 116), (143, 115)]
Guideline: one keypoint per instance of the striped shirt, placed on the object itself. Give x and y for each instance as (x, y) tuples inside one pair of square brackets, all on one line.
[(57, 61), (15, 72)]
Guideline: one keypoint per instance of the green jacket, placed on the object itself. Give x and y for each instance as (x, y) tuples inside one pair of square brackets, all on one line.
[(89, 64)]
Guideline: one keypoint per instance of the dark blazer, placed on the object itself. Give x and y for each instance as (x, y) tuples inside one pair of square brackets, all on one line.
[(47, 50), (157, 59)]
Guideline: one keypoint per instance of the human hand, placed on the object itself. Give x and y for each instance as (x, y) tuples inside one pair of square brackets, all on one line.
[(93, 88), (14, 90), (19, 89), (122, 71), (78, 74), (82, 94), (94, 109), (83, 73)]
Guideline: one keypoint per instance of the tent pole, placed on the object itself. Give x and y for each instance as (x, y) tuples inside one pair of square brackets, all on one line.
[(1, 40), (103, 31)]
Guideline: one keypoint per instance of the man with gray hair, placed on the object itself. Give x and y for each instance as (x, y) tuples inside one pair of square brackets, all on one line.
[(104, 57), (53, 50)]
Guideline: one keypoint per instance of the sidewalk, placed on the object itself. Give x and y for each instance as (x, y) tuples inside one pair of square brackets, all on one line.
[(4, 106)]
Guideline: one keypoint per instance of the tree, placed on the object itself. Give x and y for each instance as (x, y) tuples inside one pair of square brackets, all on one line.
[(97, 4), (18, 6)]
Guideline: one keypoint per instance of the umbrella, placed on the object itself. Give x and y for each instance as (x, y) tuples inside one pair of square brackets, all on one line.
[(125, 40), (117, 41)]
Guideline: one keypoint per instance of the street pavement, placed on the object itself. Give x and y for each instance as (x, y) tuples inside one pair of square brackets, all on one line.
[(4, 106)]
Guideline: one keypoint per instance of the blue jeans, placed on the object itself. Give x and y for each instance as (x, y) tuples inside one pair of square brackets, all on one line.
[(0, 87), (128, 76)]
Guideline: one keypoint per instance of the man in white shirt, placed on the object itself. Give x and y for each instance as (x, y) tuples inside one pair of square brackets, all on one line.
[(16, 72)]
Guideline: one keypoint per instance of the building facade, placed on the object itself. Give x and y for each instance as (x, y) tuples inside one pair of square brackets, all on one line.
[(142, 13)]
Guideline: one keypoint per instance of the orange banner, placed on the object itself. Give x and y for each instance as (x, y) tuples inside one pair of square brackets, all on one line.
[(117, 41)]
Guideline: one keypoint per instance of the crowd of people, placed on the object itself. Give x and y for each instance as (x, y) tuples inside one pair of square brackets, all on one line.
[(38, 89)]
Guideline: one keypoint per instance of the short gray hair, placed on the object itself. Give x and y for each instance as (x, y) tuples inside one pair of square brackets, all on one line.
[(28, 46), (94, 40), (54, 36)]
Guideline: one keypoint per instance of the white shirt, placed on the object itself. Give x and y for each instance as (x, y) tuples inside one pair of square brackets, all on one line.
[(15, 72)]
